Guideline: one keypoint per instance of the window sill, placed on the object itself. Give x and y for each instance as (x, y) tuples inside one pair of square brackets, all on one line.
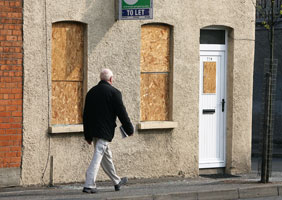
[(56, 129), (157, 125)]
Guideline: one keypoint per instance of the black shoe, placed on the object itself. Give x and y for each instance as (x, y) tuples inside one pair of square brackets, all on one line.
[(90, 190), (123, 181)]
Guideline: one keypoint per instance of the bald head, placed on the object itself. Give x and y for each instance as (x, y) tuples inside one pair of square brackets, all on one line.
[(106, 75)]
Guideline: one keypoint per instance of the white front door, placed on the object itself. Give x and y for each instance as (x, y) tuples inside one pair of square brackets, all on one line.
[(212, 107)]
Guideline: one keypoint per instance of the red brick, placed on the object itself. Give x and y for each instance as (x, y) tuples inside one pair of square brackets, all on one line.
[(11, 85), (17, 32), (4, 137), (6, 79), (15, 137), (11, 96), (17, 49), (20, 107), (5, 32), (13, 131), (2, 108), (14, 165), (15, 125), (14, 15), (15, 149), (16, 91), (17, 68), (12, 38), (20, 84), (5, 126), (11, 154), (15, 160), (15, 119), (11, 82), (16, 79), (4, 149), (4, 102), (4, 119), (6, 143), (17, 114), (12, 108), (5, 67), (6, 73), (5, 90), (5, 114), (17, 143), (18, 96), (3, 15), (16, 102), (2, 37)]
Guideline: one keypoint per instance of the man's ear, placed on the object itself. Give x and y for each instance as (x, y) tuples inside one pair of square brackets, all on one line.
[(111, 80)]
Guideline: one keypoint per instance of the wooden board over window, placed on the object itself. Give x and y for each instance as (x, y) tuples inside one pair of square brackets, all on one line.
[(67, 102), (155, 41), (67, 51), (209, 78), (154, 97), (155, 72), (67, 72)]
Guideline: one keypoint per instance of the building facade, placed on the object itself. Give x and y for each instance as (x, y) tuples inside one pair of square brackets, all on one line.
[(185, 75), (11, 89)]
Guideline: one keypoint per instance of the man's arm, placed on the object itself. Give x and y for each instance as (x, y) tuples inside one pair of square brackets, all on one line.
[(122, 114), (85, 122)]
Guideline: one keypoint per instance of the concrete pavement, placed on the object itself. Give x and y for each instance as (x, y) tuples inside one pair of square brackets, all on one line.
[(244, 186), (204, 187)]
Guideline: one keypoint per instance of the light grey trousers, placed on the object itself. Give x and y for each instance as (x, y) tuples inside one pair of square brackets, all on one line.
[(102, 155)]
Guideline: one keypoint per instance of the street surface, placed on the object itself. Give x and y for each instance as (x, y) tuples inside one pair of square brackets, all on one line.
[(216, 187), (265, 198)]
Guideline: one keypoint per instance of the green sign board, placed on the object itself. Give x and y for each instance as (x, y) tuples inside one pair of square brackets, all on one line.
[(135, 9)]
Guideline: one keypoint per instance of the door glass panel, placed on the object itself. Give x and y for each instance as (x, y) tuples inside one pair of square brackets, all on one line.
[(209, 79), (212, 37)]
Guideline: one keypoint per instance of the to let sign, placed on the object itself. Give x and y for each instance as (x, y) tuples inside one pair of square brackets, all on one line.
[(135, 9)]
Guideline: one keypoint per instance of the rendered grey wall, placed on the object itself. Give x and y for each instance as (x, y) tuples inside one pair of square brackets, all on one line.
[(116, 45)]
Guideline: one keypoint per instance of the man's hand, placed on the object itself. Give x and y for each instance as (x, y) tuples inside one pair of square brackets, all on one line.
[(89, 142)]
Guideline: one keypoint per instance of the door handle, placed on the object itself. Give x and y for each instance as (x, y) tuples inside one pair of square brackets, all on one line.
[(222, 104)]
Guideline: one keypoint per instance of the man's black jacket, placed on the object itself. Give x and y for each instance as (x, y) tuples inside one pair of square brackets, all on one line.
[(103, 104)]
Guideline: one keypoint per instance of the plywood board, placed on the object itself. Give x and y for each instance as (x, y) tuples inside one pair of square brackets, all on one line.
[(67, 102), (155, 52), (67, 51), (154, 97), (209, 79)]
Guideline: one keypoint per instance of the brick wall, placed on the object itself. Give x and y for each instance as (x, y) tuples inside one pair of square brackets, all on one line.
[(11, 82)]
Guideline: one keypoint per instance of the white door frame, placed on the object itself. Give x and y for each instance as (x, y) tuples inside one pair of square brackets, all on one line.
[(209, 48)]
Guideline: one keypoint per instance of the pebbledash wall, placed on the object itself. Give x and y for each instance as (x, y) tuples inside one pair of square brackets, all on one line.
[(116, 45), (11, 98)]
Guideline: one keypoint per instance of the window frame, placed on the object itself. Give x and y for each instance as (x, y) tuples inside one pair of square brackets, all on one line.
[(68, 128), (166, 124)]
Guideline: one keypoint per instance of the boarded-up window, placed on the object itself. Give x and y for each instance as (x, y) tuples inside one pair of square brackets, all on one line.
[(155, 73), (209, 78), (67, 72)]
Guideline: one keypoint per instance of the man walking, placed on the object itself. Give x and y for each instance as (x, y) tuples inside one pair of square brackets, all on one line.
[(103, 105)]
